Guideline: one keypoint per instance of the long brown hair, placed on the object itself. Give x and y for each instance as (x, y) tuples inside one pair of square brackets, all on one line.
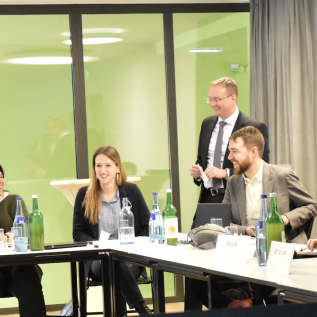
[(93, 198)]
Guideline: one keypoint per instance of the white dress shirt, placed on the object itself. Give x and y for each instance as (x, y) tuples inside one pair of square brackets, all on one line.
[(109, 216), (227, 131), (253, 190)]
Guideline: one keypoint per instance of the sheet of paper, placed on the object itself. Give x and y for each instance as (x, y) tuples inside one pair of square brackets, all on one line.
[(207, 182), (104, 236), (302, 249)]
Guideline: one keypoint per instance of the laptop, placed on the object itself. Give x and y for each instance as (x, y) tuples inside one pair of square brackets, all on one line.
[(205, 212)]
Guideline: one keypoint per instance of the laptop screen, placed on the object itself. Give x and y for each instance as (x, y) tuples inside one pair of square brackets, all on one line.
[(205, 212)]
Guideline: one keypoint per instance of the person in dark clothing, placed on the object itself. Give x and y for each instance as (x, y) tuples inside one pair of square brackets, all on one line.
[(23, 281), (97, 209)]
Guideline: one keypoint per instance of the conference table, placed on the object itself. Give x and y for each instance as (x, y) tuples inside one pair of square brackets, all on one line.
[(200, 264), (71, 255), (182, 259)]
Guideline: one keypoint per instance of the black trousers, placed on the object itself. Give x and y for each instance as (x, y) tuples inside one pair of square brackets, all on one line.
[(128, 284), (24, 283), (196, 290)]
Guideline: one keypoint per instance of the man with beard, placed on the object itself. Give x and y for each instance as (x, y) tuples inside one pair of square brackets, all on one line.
[(253, 177)]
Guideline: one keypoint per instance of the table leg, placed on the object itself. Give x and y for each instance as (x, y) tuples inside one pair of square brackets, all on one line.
[(82, 290), (280, 299), (190, 301), (106, 286), (158, 290), (209, 291), (73, 274), (258, 294), (118, 302)]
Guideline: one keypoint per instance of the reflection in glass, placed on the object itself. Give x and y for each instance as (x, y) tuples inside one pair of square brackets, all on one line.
[(126, 98)]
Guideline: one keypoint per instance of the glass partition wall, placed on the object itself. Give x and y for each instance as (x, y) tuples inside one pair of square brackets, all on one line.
[(125, 95), (127, 99), (206, 45), (37, 124)]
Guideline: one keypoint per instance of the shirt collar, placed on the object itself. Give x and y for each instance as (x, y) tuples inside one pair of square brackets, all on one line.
[(258, 176), (232, 119), (114, 199), (4, 195)]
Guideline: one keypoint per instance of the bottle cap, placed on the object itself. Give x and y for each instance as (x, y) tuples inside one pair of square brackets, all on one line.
[(168, 190), (272, 194), (18, 198), (263, 196), (34, 196), (155, 193)]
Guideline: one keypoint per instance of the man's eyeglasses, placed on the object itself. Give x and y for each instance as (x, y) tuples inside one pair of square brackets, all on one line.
[(216, 100)]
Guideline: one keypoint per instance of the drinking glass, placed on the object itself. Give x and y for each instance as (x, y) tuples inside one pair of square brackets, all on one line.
[(2, 240), (232, 230), (216, 221)]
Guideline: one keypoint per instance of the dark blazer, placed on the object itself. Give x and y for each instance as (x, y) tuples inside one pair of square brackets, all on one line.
[(207, 128), (83, 230), (293, 200)]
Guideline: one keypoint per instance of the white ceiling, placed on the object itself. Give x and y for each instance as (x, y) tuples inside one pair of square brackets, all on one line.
[(115, 1)]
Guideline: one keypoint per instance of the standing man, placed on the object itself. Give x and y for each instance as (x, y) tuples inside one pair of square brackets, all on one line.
[(214, 138)]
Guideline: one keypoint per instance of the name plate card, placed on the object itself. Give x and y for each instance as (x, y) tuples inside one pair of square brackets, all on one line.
[(232, 249), (280, 257)]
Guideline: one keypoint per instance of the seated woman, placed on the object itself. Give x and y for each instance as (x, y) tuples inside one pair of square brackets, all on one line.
[(97, 208), (23, 281)]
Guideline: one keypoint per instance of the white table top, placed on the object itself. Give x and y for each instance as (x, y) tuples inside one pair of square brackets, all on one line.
[(303, 272), (302, 277)]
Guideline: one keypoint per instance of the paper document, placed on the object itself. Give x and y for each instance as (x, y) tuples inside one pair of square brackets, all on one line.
[(207, 182), (302, 250), (104, 236)]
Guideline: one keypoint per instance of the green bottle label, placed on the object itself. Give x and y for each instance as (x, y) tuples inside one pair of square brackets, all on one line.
[(171, 227)]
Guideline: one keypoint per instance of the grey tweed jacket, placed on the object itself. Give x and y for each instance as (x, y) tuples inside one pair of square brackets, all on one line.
[(293, 200)]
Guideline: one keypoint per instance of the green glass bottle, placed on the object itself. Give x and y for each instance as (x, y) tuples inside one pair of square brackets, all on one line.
[(274, 225), (36, 227), (170, 220)]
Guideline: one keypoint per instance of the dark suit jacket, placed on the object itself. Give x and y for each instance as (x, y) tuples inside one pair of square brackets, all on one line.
[(292, 198), (207, 128)]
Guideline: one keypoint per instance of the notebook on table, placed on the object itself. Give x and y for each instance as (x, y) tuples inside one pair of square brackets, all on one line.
[(205, 212)]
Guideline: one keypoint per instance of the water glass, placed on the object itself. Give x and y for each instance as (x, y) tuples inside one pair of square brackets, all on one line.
[(232, 230), (216, 221), (2, 236), (12, 233)]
